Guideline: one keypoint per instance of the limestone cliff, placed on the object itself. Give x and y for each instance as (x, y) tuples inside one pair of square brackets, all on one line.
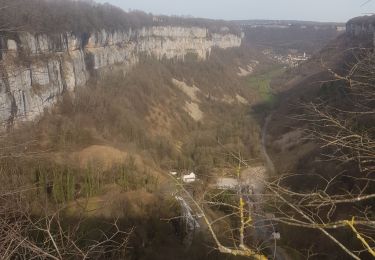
[(363, 29), (361, 26), (36, 68)]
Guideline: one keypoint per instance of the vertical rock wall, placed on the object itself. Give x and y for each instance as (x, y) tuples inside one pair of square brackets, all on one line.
[(37, 69)]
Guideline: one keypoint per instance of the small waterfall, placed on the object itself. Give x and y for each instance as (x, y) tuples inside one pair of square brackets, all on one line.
[(190, 221)]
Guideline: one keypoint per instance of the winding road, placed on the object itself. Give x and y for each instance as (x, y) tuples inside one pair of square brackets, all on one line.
[(263, 226)]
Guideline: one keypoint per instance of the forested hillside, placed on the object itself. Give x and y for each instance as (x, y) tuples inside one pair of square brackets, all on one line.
[(57, 16), (321, 136), (126, 135)]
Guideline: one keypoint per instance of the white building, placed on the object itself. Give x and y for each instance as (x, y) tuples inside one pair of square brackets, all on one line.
[(189, 178)]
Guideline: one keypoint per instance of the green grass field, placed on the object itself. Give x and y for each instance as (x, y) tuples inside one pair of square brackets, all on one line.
[(262, 83)]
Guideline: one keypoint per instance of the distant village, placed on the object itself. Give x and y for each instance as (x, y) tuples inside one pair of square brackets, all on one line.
[(292, 59)]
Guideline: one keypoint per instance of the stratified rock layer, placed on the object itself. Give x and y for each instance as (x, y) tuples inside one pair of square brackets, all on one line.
[(37, 69)]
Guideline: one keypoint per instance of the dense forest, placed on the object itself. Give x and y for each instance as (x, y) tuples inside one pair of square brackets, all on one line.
[(51, 16)]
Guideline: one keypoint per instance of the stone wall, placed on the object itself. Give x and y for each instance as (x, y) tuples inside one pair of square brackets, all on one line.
[(37, 69)]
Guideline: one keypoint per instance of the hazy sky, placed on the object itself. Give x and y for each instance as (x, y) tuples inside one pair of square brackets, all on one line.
[(313, 10)]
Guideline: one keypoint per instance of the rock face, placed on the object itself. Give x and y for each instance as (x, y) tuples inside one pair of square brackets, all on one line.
[(360, 29), (37, 69), (361, 26)]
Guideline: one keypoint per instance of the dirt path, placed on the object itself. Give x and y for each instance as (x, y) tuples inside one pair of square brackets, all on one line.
[(263, 226)]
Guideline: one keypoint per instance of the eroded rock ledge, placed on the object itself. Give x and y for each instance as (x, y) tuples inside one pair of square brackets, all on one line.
[(37, 69)]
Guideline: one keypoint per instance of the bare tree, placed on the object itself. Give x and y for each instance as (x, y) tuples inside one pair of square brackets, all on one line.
[(230, 231), (46, 235), (345, 130)]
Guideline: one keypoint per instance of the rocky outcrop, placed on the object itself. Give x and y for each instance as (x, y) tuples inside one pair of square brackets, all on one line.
[(37, 69), (363, 26), (360, 29), (363, 29)]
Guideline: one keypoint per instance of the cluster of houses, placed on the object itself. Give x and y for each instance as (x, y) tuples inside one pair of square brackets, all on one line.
[(291, 60)]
